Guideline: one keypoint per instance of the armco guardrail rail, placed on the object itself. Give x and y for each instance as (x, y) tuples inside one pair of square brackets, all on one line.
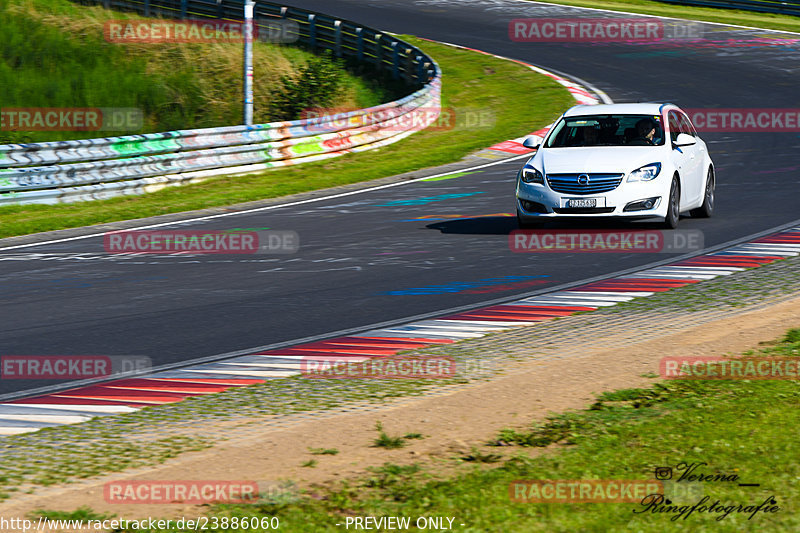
[(68, 171), (788, 7)]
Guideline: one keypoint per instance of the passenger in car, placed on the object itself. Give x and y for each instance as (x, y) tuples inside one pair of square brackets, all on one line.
[(589, 136)]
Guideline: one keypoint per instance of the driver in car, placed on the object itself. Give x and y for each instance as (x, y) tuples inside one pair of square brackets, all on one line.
[(646, 131)]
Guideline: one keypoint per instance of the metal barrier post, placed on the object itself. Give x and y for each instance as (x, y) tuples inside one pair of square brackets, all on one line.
[(395, 60), (408, 67), (312, 31), (360, 44), (378, 51), (249, 7), (338, 38)]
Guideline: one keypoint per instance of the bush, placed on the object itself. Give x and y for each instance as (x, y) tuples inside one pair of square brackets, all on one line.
[(317, 85)]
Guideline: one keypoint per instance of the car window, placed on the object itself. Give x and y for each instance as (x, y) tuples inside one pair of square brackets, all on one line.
[(686, 126), (674, 125), (604, 130)]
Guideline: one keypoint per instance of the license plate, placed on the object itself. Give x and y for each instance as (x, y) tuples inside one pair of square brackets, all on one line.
[(583, 202)]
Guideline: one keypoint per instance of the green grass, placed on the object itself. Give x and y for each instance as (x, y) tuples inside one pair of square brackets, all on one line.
[(741, 428), (723, 16), (82, 513), (323, 451), (471, 81), (54, 54), (385, 441)]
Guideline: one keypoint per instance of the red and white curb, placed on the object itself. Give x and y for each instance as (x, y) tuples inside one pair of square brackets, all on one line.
[(581, 94), (127, 395)]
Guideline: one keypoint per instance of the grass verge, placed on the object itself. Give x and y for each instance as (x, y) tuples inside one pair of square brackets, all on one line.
[(739, 430), (707, 14), (473, 83), (174, 85)]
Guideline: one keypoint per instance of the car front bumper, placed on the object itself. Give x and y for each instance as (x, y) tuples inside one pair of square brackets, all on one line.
[(536, 201)]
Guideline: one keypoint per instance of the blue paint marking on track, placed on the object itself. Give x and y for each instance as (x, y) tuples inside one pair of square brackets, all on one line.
[(429, 199), (461, 286)]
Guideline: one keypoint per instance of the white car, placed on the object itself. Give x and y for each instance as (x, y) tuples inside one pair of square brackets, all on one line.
[(633, 161)]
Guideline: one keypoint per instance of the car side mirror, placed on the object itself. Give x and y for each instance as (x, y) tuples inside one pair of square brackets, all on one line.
[(684, 139), (531, 143)]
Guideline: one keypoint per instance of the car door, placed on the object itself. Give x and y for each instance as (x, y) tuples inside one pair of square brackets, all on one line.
[(696, 152), (681, 157)]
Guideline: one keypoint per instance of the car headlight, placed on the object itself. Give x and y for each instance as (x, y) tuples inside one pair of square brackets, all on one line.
[(531, 175), (645, 173)]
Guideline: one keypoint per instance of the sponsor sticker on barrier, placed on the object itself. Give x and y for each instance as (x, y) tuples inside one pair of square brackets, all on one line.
[(71, 119), (605, 241), (70, 366), (201, 242)]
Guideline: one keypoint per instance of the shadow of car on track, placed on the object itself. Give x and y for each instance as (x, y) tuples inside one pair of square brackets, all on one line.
[(505, 225)]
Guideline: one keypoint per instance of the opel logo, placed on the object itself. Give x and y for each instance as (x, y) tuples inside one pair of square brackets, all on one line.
[(583, 179)]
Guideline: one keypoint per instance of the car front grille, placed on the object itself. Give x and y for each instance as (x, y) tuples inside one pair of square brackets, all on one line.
[(598, 183)]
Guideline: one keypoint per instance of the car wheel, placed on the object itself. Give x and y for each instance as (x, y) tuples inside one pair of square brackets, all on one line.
[(705, 210), (673, 205)]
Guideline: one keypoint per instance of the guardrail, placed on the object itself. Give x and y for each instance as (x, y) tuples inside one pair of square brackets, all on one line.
[(67, 171), (788, 7)]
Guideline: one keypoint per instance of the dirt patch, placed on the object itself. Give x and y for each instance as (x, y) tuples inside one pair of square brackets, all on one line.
[(452, 423)]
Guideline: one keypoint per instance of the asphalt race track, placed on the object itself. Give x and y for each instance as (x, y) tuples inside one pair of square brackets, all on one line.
[(415, 248)]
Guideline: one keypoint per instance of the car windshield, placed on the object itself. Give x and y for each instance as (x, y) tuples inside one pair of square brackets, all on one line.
[(607, 130)]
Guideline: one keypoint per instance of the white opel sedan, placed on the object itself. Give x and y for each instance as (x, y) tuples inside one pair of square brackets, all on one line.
[(634, 161)]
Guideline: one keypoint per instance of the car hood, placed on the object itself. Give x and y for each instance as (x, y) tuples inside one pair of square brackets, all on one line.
[(612, 159)]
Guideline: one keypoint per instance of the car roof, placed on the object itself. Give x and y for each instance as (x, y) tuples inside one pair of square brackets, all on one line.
[(646, 108)]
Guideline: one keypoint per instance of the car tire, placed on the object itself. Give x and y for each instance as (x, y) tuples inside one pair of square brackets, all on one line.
[(673, 205), (705, 210)]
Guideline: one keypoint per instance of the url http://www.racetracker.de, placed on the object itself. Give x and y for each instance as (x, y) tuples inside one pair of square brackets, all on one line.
[(203, 523)]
